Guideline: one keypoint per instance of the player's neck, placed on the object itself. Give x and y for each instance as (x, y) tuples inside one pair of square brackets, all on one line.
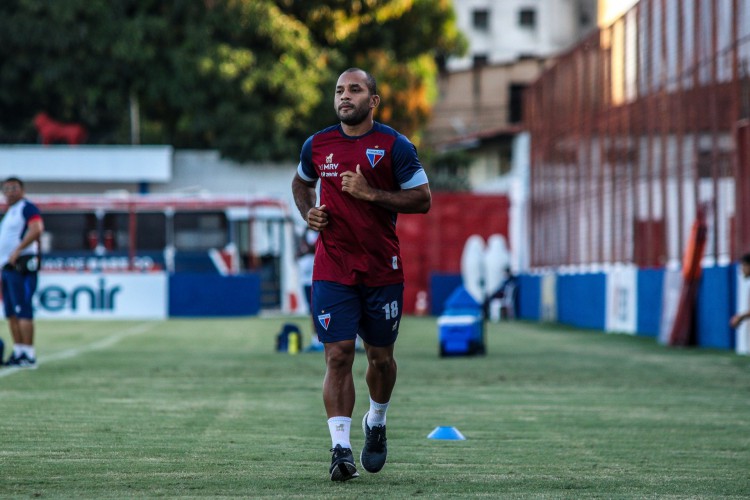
[(359, 129)]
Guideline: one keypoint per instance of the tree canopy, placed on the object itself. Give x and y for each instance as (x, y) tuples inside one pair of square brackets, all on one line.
[(251, 78)]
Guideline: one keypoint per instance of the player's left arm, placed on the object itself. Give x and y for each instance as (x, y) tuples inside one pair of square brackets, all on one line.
[(414, 197), (416, 200), (34, 230)]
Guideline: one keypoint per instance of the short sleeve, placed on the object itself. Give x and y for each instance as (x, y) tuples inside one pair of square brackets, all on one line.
[(407, 168), (31, 212), (306, 169)]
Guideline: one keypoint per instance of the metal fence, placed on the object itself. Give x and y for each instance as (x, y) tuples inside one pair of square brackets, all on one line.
[(635, 130)]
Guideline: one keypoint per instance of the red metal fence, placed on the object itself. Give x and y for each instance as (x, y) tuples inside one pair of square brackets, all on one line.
[(638, 127)]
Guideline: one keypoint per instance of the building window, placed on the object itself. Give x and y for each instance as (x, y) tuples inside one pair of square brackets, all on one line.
[(527, 18), (70, 231), (200, 231), (515, 104), (480, 60), (150, 234), (481, 19)]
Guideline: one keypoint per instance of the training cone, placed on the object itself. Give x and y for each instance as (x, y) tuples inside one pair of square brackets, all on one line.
[(446, 433)]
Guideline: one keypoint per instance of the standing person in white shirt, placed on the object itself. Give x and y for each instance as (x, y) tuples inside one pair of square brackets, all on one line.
[(20, 230)]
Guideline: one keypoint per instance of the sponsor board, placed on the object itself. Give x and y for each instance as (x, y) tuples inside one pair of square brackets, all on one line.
[(549, 298), (622, 287), (101, 296), (742, 333)]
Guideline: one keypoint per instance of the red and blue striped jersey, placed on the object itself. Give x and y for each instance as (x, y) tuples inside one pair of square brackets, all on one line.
[(359, 245)]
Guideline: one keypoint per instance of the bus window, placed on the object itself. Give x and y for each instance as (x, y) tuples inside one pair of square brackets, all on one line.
[(70, 231), (198, 231), (151, 231)]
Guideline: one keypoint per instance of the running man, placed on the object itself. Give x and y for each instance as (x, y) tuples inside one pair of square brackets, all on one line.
[(368, 173)]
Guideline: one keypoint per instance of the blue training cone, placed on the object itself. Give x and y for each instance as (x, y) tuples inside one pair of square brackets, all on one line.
[(446, 433)]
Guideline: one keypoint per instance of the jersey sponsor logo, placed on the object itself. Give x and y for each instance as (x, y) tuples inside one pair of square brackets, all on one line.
[(324, 320), (329, 169), (374, 156)]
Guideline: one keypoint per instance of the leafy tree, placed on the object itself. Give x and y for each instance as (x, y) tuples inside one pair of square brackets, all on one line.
[(396, 40), (249, 77)]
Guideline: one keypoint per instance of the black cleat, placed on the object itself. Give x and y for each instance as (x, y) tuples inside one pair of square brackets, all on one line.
[(23, 361), (12, 361), (342, 464), (375, 451)]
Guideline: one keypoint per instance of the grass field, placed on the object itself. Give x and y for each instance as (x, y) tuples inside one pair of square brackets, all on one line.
[(206, 408)]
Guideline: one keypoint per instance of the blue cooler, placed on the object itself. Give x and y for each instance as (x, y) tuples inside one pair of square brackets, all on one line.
[(461, 327)]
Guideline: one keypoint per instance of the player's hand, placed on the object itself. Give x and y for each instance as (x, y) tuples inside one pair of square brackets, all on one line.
[(735, 321), (13, 257), (317, 218), (355, 184)]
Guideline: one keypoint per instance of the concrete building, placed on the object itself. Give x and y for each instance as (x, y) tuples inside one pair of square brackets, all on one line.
[(503, 31), (510, 42)]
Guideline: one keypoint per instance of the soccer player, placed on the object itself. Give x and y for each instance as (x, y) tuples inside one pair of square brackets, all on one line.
[(368, 173), (20, 230)]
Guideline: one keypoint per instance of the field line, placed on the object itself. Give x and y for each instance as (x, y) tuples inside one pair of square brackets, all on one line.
[(94, 346)]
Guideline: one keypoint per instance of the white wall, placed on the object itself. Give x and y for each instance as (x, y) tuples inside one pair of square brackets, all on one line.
[(126, 164), (205, 171)]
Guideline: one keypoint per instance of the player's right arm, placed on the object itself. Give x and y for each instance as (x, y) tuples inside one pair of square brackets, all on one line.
[(305, 198), (737, 319), (303, 190)]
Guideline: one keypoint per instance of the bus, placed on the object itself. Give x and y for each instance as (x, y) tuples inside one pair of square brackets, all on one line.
[(124, 232)]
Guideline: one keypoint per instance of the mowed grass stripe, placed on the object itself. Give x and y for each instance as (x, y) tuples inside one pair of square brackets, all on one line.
[(76, 351), (206, 408)]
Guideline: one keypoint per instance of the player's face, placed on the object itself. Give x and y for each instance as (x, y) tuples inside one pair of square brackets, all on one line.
[(746, 270), (353, 101), (12, 192)]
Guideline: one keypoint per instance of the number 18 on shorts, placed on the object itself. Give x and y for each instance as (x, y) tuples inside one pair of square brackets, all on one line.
[(340, 312)]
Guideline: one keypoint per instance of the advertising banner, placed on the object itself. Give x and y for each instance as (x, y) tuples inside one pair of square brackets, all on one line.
[(742, 340), (549, 298), (101, 295), (622, 285)]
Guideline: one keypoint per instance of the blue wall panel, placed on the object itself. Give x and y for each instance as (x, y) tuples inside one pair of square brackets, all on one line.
[(581, 300), (714, 309), (650, 287), (529, 297), (442, 286), (205, 294)]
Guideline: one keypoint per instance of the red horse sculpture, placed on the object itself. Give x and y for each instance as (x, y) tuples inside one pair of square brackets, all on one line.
[(51, 131)]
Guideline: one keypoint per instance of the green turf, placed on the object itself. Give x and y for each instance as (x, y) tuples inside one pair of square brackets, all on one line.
[(206, 408)]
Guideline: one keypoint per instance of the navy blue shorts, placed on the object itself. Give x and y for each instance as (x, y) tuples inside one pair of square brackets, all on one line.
[(341, 312), (18, 289)]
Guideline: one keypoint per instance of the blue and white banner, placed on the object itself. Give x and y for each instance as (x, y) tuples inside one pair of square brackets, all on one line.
[(742, 339), (549, 297), (101, 296), (622, 311), (670, 301)]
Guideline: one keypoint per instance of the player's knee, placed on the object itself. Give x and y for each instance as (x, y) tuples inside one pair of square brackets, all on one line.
[(384, 363), (339, 356)]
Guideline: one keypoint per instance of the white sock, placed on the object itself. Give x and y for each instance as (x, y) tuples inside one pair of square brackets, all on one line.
[(18, 349), (339, 427), (29, 351), (376, 415)]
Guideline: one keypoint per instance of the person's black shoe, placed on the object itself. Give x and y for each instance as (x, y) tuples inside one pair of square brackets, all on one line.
[(24, 361), (342, 464), (375, 451), (12, 361)]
